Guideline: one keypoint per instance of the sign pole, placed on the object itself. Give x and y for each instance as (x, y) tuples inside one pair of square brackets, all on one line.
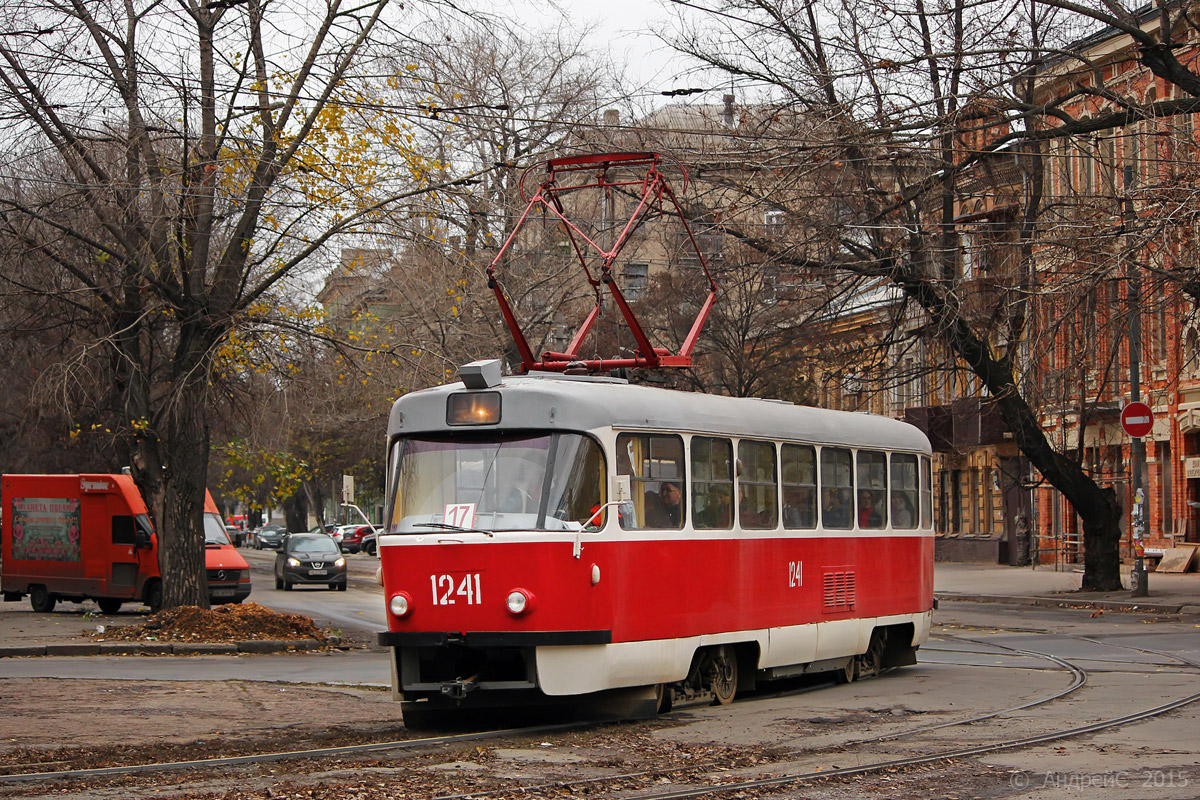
[(1138, 579)]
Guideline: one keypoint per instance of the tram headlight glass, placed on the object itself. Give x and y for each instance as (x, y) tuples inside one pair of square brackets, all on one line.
[(519, 602), (400, 604), (473, 408)]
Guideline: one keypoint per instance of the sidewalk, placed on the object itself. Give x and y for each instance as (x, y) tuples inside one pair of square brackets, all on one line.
[(69, 629), (1170, 593)]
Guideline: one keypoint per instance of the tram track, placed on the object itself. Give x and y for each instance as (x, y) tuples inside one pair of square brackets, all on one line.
[(1078, 681), (956, 753), (793, 778)]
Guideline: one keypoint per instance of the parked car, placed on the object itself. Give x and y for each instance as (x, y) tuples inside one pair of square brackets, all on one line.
[(333, 531), (269, 536), (352, 537), (236, 535), (309, 558), (368, 544)]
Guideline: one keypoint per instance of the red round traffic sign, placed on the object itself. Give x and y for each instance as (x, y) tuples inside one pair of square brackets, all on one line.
[(1137, 419)]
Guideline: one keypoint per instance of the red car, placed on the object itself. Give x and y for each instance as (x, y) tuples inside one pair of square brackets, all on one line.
[(352, 536)]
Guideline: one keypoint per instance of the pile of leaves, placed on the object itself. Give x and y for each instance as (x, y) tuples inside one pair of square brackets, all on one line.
[(226, 623)]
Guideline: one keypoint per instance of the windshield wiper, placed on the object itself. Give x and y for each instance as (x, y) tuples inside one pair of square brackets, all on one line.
[(443, 526)]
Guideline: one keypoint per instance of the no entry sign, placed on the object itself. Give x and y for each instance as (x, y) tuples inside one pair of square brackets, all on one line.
[(1137, 419)]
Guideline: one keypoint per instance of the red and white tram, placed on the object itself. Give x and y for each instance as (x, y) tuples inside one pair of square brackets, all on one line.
[(552, 536)]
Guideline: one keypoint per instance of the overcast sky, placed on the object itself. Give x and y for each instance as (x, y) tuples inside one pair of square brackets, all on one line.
[(620, 28)]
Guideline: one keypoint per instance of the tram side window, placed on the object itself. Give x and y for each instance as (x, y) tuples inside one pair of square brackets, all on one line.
[(712, 483), (926, 493), (654, 465), (837, 487), (904, 491), (799, 478), (872, 489), (757, 502)]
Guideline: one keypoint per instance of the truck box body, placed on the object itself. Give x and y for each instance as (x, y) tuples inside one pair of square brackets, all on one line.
[(78, 537)]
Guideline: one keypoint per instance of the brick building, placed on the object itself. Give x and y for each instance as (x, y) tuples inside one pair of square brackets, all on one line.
[(1117, 212)]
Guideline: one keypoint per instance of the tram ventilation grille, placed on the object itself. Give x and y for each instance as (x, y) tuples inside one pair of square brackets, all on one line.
[(839, 591)]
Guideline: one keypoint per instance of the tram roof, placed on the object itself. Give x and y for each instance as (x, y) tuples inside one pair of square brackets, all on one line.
[(558, 402)]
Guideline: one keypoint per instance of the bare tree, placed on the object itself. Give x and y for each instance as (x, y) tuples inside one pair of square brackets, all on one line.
[(203, 153), (909, 109), (493, 102)]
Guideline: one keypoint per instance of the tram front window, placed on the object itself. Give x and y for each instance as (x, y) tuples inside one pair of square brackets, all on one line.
[(497, 482)]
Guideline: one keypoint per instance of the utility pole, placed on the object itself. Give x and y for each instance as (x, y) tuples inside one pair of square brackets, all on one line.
[(1139, 578)]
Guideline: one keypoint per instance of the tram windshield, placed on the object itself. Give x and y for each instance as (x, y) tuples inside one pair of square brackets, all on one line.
[(495, 482)]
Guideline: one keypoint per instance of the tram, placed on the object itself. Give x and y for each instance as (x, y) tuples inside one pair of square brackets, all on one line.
[(560, 538)]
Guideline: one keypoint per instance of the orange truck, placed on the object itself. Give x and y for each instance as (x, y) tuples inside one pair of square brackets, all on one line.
[(79, 537)]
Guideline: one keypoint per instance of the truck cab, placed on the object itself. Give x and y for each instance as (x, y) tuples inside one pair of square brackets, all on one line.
[(227, 571)]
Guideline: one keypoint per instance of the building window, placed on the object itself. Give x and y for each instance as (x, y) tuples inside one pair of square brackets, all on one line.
[(773, 223), (1191, 352), (968, 249), (1149, 146), (634, 280)]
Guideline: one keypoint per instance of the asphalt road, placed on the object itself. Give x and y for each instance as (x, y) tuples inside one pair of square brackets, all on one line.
[(359, 608), (983, 659)]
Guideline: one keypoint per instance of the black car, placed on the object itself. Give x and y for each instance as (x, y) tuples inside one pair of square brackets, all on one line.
[(269, 536), (309, 558)]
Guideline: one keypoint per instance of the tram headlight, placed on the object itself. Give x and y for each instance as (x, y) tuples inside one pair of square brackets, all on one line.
[(519, 602), (400, 604)]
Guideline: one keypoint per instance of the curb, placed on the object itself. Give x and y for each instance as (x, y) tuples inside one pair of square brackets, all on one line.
[(258, 646), (1131, 606)]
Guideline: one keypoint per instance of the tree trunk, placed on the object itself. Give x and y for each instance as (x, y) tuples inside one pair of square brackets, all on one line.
[(181, 542), (295, 512), (1096, 506), (172, 472), (1102, 544), (316, 501)]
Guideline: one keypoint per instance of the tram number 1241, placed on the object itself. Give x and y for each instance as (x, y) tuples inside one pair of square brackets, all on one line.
[(447, 589)]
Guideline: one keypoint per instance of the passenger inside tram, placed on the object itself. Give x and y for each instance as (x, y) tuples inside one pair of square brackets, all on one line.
[(902, 513), (717, 513), (799, 508), (869, 514), (833, 510), (664, 508)]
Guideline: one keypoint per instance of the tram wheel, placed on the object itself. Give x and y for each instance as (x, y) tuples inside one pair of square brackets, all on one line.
[(724, 671), (848, 673), (664, 697), (871, 662)]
